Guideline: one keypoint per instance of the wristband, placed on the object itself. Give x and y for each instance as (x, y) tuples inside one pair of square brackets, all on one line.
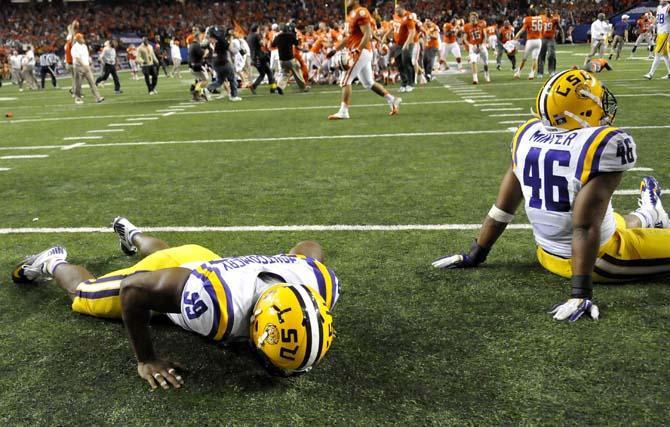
[(478, 253), (500, 215), (582, 287)]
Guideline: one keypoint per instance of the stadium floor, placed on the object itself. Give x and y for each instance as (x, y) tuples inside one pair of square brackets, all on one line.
[(384, 195)]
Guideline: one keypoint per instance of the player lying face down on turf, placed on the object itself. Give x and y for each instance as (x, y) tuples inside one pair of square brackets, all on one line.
[(279, 304), (566, 165)]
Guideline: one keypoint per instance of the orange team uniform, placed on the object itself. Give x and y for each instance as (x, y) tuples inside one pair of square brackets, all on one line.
[(317, 46), (644, 24), (534, 26), (132, 53), (357, 19), (68, 52), (449, 36), (387, 27), (506, 34), (432, 34), (550, 27), (474, 33), (491, 30), (402, 25), (269, 36)]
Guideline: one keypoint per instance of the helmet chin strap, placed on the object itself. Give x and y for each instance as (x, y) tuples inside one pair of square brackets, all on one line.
[(577, 119)]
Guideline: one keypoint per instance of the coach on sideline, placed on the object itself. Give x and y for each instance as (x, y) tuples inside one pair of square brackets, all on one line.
[(149, 62), (81, 64)]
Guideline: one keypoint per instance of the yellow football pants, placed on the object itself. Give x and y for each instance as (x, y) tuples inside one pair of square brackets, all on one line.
[(100, 297), (631, 254), (662, 45)]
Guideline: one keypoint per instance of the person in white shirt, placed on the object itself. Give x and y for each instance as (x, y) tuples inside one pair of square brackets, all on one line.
[(599, 31), (662, 50), (15, 63), (108, 58), (175, 53), (28, 69), (81, 62)]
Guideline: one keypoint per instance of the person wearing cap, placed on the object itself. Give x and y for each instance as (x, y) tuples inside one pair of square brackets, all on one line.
[(81, 63), (175, 53), (108, 58), (600, 28), (620, 36)]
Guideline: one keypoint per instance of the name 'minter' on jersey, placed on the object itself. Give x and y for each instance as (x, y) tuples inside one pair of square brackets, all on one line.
[(219, 296), (553, 165)]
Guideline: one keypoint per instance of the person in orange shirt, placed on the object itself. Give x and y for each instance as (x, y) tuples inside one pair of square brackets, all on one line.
[(404, 31), (506, 43), (450, 44), (532, 26), (358, 42), (492, 37), (431, 47), (552, 23), (474, 33)]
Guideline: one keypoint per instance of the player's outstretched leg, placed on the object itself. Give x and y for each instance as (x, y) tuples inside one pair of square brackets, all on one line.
[(51, 263), (132, 240), (651, 213)]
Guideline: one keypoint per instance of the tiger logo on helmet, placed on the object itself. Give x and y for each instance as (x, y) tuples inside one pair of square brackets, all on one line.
[(291, 329), (575, 99)]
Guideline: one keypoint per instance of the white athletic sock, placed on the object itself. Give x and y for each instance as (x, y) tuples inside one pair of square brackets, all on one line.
[(654, 65), (344, 108), (389, 98), (51, 265), (666, 59)]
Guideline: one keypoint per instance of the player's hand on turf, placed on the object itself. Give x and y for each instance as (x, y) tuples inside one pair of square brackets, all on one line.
[(161, 373), (455, 261), (574, 308)]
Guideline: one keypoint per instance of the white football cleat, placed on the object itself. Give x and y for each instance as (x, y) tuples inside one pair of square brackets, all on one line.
[(650, 202), (517, 75), (648, 76), (666, 77), (39, 266), (125, 230), (402, 89), (234, 98), (487, 77)]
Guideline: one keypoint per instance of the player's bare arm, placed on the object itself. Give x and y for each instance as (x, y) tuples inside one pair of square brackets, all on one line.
[(140, 295), (367, 36), (494, 225)]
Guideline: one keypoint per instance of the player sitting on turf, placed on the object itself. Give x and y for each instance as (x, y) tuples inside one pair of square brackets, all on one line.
[(566, 164), (280, 303)]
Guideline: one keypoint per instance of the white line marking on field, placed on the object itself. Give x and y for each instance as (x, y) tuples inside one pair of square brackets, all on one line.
[(169, 114), (496, 104), (264, 228), (627, 192), (513, 130), (641, 169), (446, 86), (5, 169), (481, 96), (510, 115), (469, 101), (70, 147), (502, 109), (105, 130), (34, 156), (139, 119), (167, 110), (77, 138), (8, 98), (125, 124), (511, 122), (184, 106)]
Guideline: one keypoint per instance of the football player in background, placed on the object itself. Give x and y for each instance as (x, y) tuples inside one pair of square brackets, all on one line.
[(550, 26), (506, 43), (450, 45), (566, 165), (532, 26), (645, 25), (662, 50), (404, 32), (280, 304), (474, 40), (358, 42)]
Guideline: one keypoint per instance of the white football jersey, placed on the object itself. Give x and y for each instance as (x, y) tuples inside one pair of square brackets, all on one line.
[(662, 24), (219, 296), (552, 166)]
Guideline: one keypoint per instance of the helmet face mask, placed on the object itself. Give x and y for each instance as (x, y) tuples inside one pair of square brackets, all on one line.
[(575, 99), (291, 329)]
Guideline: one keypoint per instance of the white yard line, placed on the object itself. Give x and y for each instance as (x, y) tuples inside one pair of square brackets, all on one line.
[(263, 228), (125, 124), (77, 138), (169, 114), (5, 169), (70, 147), (105, 130), (496, 104), (511, 115), (511, 122), (139, 119), (502, 109), (34, 156), (641, 169)]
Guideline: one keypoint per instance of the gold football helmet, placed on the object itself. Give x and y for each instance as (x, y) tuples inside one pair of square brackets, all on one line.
[(291, 329), (575, 99)]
